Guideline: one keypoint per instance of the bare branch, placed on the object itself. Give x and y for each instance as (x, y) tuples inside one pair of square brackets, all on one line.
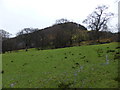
[(98, 19)]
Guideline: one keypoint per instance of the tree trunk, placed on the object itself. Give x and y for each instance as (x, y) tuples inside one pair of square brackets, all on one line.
[(98, 36), (26, 48)]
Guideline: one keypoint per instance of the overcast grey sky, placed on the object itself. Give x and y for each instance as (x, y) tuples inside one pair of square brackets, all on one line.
[(18, 14)]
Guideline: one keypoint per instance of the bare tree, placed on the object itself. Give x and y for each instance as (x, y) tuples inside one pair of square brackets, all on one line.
[(25, 36), (98, 19), (62, 20), (4, 34), (26, 31)]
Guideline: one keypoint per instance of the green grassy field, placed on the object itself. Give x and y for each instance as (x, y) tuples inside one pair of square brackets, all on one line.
[(73, 67)]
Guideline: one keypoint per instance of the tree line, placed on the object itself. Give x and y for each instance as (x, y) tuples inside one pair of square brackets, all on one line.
[(57, 36), (63, 33)]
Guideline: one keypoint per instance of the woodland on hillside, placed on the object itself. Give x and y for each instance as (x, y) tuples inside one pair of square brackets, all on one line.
[(57, 36), (63, 33)]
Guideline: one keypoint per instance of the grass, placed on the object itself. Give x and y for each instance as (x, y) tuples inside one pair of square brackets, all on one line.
[(73, 67)]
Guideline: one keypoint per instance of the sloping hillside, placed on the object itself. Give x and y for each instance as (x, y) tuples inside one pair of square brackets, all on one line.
[(56, 36), (93, 66)]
